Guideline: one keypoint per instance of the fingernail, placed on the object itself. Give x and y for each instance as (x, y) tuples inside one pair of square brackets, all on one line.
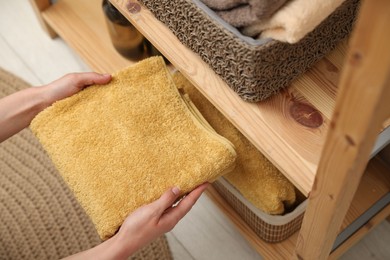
[(176, 190)]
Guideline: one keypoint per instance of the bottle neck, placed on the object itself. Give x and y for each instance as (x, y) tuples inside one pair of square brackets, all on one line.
[(113, 14)]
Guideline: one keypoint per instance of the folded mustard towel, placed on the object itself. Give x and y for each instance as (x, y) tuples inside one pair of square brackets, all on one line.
[(293, 21), (121, 145), (255, 177)]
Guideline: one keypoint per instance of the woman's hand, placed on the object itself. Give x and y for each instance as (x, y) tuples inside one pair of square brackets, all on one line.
[(72, 83), (151, 221), (18, 109), (145, 225)]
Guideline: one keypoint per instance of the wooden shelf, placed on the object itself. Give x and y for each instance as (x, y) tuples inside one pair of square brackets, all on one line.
[(293, 148), (374, 185), (82, 25)]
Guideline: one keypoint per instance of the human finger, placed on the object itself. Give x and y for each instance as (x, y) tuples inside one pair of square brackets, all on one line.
[(81, 80), (172, 216), (166, 200)]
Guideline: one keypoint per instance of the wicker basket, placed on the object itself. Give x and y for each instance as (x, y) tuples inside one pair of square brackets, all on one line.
[(271, 228), (254, 69)]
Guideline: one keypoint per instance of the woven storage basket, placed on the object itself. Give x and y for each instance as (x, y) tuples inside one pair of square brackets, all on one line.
[(254, 69), (271, 228)]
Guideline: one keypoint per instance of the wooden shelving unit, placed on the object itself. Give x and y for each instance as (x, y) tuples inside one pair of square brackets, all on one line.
[(293, 148), (296, 150), (375, 184)]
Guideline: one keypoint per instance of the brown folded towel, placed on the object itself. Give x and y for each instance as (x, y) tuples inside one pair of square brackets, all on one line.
[(239, 16), (241, 13), (255, 177), (224, 4), (121, 145)]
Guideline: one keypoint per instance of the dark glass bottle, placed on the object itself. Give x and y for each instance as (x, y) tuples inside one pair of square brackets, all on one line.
[(127, 40)]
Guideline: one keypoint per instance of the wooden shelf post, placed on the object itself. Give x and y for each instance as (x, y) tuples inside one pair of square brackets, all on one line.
[(361, 107)]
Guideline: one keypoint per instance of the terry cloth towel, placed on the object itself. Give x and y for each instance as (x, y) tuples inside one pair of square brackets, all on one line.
[(293, 21), (121, 145), (240, 13), (39, 216), (255, 177)]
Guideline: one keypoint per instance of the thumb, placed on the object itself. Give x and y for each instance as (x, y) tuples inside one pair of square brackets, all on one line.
[(167, 199), (82, 80)]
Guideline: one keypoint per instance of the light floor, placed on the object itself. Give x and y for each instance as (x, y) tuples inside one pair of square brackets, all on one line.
[(205, 233)]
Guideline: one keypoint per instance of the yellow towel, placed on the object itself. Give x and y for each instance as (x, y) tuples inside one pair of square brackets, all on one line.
[(121, 145), (255, 177), (294, 20)]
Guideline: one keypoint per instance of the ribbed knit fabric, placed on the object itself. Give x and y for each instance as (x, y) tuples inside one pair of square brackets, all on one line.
[(39, 216)]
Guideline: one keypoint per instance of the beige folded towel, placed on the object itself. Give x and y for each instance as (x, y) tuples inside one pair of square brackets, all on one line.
[(121, 145), (255, 177), (294, 20)]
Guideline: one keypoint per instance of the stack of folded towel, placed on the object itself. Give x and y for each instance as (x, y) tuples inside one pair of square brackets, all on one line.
[(283, 20), (257, 179), (121, 145)]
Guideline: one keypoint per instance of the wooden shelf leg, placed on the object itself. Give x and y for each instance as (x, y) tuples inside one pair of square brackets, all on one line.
[(362, 106), (39, 6)]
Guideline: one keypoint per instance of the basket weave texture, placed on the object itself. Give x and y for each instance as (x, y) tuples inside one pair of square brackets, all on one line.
[(269, 232), (254, 72)]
